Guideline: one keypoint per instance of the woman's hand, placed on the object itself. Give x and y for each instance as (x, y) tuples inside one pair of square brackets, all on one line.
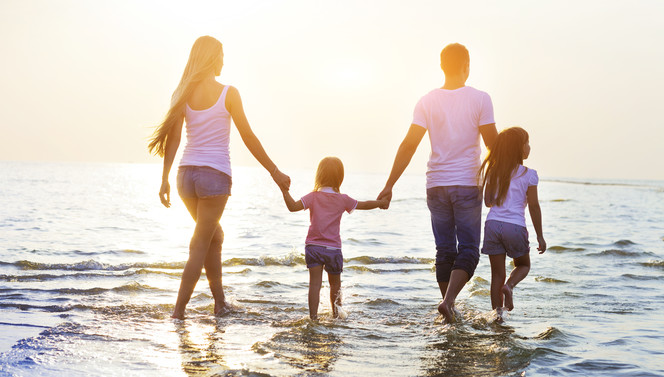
[(165, 194), (281, 179)]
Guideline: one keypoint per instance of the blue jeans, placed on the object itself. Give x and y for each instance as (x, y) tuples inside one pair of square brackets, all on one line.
[(456, 215)]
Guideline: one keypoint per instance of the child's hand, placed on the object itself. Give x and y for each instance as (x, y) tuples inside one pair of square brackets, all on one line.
[(542, 244)]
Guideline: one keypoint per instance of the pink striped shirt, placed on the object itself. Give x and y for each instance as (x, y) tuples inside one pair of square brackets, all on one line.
[(325, 209)]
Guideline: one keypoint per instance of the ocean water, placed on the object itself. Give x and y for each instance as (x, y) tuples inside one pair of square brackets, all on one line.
[(90, 264)]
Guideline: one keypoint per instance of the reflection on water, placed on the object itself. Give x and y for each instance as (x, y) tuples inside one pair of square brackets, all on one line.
[(201, 348), (484, 349), (307, 345)]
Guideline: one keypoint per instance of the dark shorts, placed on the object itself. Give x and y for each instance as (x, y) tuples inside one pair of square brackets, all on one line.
[(456, 220), (329, 257), (505, 238), (202, 182)]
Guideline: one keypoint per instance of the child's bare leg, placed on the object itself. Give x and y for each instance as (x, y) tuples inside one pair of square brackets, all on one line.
[(497, 279), (458, 278), (315, 282), (520, 271), (335, 292)]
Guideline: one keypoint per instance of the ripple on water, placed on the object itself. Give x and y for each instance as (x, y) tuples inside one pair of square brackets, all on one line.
[(543, 279), (621, 253), (653, 263), (563, 249)]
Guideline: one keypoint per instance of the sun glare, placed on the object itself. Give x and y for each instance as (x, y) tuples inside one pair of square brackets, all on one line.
[(347, 74)]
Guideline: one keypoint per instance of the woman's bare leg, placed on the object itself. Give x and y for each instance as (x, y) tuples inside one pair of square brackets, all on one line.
[(207, 214)]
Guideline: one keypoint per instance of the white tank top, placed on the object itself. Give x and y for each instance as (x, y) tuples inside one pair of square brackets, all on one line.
[(208, 134)]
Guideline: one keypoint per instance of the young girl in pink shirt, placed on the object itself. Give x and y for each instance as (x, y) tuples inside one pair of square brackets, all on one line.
[(323, 244)]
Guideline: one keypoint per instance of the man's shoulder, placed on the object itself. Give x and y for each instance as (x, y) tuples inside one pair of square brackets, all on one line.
[(463, 91), (476, 91)]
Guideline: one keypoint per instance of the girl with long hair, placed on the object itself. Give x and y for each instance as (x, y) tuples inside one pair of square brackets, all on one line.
[(204, 173), (322, 250), (508, 188)]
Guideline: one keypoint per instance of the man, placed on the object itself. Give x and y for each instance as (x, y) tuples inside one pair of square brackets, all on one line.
[(455, 116)]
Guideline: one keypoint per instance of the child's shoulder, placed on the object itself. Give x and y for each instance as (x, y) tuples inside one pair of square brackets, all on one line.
[(530, 175), (528, 170)]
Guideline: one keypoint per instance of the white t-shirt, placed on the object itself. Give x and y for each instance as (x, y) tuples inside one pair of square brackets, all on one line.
[(453, 118), (513, 208), (208, 135)]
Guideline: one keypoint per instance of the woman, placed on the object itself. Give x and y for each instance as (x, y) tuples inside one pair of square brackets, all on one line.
[(204, 174)]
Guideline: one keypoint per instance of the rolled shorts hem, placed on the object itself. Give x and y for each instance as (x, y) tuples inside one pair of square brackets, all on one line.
[(329, 257)]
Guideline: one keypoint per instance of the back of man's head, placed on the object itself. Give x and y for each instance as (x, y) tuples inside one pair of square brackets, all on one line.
[(454, 58)]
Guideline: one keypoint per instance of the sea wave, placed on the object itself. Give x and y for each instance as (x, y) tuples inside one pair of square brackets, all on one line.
[(621, 253), (388, 260), (563, 249), (654, 263), (130, 287), (384, 271)]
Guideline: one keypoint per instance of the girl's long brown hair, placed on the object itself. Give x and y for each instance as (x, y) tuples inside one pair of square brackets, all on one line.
[(330, 173), (204, 58), (501, 163)]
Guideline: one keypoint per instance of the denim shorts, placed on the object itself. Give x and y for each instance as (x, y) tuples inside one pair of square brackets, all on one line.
[(505, 238), (202, 182), (329, 257), (456, 220)]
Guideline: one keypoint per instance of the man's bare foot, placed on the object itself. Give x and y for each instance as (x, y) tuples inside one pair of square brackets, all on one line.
[(507, 292), (446, 312), (177, 315)]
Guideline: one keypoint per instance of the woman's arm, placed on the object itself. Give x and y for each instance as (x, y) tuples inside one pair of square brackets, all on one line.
[(172, 144), (234, 105), (536, 216)]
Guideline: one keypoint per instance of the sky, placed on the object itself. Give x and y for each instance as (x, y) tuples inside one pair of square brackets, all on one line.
[(88, 80)]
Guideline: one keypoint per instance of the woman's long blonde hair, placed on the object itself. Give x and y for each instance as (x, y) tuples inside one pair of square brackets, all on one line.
[(501, 163), (330, 173), (204, 58)]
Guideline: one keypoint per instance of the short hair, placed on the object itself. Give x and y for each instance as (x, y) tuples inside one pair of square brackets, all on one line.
[(453, 58)]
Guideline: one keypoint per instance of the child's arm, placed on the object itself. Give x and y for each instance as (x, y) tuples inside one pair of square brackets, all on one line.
[(536, 216), (371, 204), (292, 205)]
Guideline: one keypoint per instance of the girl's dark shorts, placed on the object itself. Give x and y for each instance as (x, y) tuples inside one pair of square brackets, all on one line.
[(505, 238), (329, 257)]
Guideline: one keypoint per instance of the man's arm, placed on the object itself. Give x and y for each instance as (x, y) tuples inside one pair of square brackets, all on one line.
[(489, 134), (404, 155)]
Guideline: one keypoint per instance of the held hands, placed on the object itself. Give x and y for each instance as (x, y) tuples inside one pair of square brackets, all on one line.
[(383, 203), (385, 197), (541, 244), (165, 194), (281, 179)]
